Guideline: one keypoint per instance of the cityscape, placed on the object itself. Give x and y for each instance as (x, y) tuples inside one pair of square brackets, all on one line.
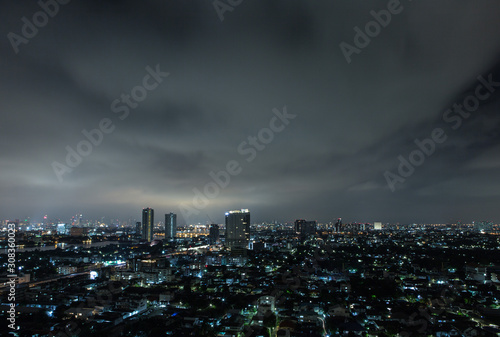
[(250, 168), (238, 278)]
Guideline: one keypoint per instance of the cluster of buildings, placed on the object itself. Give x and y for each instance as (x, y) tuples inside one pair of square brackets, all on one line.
[(237, 279), (237, 228)]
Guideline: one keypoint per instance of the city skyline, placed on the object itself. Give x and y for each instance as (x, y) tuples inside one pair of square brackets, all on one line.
[(292, 109), (132, 221), (307, 280), (317, 168)]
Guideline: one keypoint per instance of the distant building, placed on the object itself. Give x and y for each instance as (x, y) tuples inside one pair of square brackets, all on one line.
[(138, 228), (305, 228), (148, 215), (170, 226), (338, 225), (78, 231), (61, 229), (377, 225), (237, 228), (309, 228), (66, 270), (214, 234), (483, 226), (298, 225)]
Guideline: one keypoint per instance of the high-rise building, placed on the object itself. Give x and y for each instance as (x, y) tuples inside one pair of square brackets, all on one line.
[(61, 228), (237, 228), (170, 226), (338, 225), (309, 228), (138, 227), (305, 228), (298, 225), (213, 236), (148, 218), (377, 225)]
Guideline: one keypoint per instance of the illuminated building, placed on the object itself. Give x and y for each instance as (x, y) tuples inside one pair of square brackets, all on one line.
[(148, 215), (170, 226), (237, 228), (61, 228)]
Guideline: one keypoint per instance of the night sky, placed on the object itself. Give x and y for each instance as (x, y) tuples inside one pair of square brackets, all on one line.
[(227, 80)]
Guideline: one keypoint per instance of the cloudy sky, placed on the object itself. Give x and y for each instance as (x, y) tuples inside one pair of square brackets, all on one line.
[(225, 78)]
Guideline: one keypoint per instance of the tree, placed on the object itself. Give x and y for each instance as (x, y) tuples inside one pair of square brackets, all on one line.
[(270, 319)]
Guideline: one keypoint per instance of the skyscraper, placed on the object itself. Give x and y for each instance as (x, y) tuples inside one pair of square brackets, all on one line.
[(238, 228), (170, 226), (148, 218), (338, 225)]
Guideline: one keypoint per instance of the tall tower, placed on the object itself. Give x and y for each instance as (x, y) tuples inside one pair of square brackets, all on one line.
[(148, 218), (238, 228), (170, 226)]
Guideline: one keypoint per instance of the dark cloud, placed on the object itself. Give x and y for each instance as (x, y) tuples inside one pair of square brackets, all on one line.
[(353, 120)]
